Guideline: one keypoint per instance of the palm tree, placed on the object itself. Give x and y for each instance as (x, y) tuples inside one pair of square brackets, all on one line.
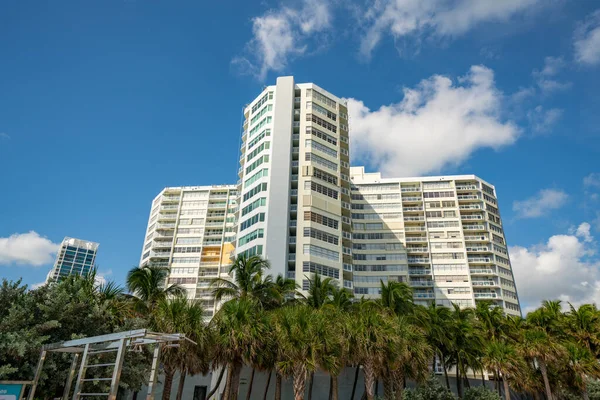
[(397, 297), (298, 345), (319, 291), (583, 324), (373, 337), (331, 330), (247, 281), (503, 358), (148, 285), (466, 343), (542, 349), (582, 365), (436, 321), (240, 330), (180, 315)]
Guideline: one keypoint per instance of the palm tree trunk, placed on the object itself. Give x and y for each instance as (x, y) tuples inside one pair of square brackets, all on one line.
[(227, 392), (399, 384), (388, 386), (482, 377), (135, 395), (311, 381), (376, 387), (299, 381), (278, 386), (181, 384), (334, 387), (330, 385), (249, 385), (235, 381), (544, 371), (214, 390), (458, 382), (168, 384), (445, 373), (267, 385), (497, 383), (369, 372), (506, 388), (355, 382)]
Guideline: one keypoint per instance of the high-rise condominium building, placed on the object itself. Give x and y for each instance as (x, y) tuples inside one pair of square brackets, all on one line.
[(294, 206), (191, 230), (442, 235), (74, 257)]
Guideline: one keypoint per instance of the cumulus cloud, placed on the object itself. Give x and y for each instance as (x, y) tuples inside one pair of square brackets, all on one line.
[(542, 120), (438, 123), (403, 18), (28, 249), (587, 40), (281, 34), (541, 204), (566, 267)]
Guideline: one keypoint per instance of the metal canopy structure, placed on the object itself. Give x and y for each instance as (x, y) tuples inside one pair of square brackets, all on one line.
[(116, 343)]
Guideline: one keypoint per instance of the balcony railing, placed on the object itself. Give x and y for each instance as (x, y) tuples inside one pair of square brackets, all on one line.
[(468, 197), (479, 259), (293, 224), (410, 189), (470, 207), (416, 239), (414, 229), (466, 187), (481, 248), (291, 257), (418, 249), (294, 192), (471, 217), (294, 163), (485, 295), (412, 209), (424, 295), (484, 283), (411, 198), (414, 218), (421, 283), (292, 240), (419, 271), (476, 238), (417, 260), (482, 271), (474, 227)]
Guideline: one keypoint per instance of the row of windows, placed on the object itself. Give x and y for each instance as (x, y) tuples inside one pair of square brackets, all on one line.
[(438, 204), (250, 237), (312, 267), (377, 246), (321, 122), (446, 245), (254, 191), (499, 249), (456, 290), (433, 195), (489, 198), (316, 187), (252, 220), (376, 216), (436, 185), (318, 109), (186, 270), (379, 268), (371, 279), (375, 206), (377, 188), (190, 240), (186, 260), (256, 176), (321, 219), (321, 235), (257, 162), (256, 140), (442, 224), (325, 176), (320, 147), (321, 97), (262, 112), (369, 226), (182, 281), (263, 100), (254, 205), (253, 251), (322, 252), (253, 153), (509, 294), (194, 204), (454, 256), (379, 257), (259, 126), (511, 306), (492, 209), (377, 236), (506, 282), (321, 135), (448, 267), (496, 228), (487, 189), (195, 195), (367, 290), (440, 214), (451, 278), (194, 249), (194, 221), (320, 161), (502, 260)]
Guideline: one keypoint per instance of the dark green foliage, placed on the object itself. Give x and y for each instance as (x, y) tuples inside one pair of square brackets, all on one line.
[(432, 389), (480, 393)]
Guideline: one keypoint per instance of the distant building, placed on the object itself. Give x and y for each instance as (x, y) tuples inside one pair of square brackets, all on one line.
[(75, 256)]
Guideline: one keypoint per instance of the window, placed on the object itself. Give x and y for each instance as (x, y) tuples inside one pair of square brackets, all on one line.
[(321, 135), (259, 126), (310, 106), (186, 260), (377, 246), (324, 270), (380, 268), (502, 260), (320, 161), (195, 195), (259, 161), (377, 216), (496, 228), (321, 219), (506, 282), (439, 268), (433, 195), (489, 198), (194, 204), (454, 256), (182, 281), (256, 176), (371, 279), (252, 220), (263, 134), (187, 249), (259, 233), (367, 290), (252, 251), (255, 190), (379, 257), (181, 270), (487, 189), (325, 176), (492, 209), (193, 212), (451, 278), (190, 240), (442, 224), (254, 205), (321, 235), (320, 97), (316, 187), (262, 112), (262, 101), (321, 252), (446, 245), (436, 185), (320, 147), (377, 236), (448, 204), (321, 122), (253, 153)]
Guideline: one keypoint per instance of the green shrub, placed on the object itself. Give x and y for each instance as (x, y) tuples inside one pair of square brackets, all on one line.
[(480, 393), (432, 389)]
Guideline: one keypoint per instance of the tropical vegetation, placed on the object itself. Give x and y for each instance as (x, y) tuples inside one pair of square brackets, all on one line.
[(268, 325)]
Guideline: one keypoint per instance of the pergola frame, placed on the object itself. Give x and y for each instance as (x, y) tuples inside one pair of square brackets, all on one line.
[(113, 342)]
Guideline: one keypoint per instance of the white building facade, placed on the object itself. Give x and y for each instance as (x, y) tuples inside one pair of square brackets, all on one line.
[(191, 230), (441, 235)]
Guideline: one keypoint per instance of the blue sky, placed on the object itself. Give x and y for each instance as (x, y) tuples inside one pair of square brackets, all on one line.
[(104, 104)]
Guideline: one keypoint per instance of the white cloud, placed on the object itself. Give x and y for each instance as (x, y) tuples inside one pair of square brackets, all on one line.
[(401, 18), (565, 268), (27, 248), (587, 40), (437, 124), (592, 180), (540, 204), (542, 120), (279, 35), (544, 78)]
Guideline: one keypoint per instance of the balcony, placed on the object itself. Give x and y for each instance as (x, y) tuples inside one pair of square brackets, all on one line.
[(410, 219), (171, 199), (294, 208), (292, 240), (295, 164), (482, 271), (479, 260), (292, 257), (411, 199), (416, 239), (294, 192), (418, 249), (169, 207), (470, 207), (474, 227), (295, 150), (468, 197), (478, 248), (421, 283), (418, 260), (167, 217), (412, 209), (291, 274), (165, 226), (414, 229), (419, 271), (293, 224), (466, 187), (471, 216), (477, 238), (484, 283), (296, 136), (294, 177), (410, 189)]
